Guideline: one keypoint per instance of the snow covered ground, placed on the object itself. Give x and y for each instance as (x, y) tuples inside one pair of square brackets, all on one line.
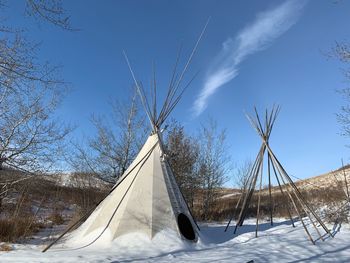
[(280, 243)]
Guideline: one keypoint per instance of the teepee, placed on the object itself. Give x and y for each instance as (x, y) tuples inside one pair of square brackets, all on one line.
[(297, 203), (146, 199)]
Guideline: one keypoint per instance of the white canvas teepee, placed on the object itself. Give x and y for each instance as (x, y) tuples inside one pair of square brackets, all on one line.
[(146, 199)]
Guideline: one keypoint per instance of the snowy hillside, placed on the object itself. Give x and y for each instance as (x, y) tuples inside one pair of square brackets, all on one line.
[(82, 180), (331, 179)]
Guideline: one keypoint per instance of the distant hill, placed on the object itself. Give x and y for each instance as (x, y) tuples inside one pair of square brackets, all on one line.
[(330, 179), (79, 180), (326, 180)]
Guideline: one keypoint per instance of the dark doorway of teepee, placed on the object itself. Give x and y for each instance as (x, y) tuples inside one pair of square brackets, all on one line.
[(185, 227)]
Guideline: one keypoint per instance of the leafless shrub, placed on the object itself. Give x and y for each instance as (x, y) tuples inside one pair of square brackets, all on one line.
[(213, 164), (118, 140), (37, 203), (56, 218), (5, 247), (20, 222), (326, 200), (11, 229)]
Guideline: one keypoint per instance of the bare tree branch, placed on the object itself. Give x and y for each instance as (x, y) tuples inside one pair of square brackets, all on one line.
[(51, 11), (118, 140), (341, 51)]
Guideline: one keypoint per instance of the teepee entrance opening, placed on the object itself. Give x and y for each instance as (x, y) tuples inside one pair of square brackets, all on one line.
[(185, 227)]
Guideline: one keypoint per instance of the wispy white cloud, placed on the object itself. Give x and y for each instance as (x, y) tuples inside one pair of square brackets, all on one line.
[(257, 36)]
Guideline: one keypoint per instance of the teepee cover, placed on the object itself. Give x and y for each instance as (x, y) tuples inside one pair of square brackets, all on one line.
[(146, 199)]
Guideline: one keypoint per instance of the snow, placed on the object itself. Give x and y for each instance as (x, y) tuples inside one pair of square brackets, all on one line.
[(77, 180), (280, 243), (229, 195)]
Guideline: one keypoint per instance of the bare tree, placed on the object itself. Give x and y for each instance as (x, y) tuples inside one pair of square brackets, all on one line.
[(341, 51), (116, 143), (30, 92), (213, 163), (242, 174), (183, 152), (31, 137)]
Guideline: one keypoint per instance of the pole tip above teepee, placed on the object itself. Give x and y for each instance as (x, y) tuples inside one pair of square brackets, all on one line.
[(175, 89)]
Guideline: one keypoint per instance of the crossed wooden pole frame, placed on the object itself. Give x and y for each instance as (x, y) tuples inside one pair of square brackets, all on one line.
[(285, 184)]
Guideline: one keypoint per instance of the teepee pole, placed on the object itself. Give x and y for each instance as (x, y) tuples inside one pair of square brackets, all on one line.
[(249, 186), (297, 193), (308, 214), (270, 195), (233, 214), (84, 217), (295, 206), (174, 103), (154, 92), (259, 195), (173, 97), (280, 187), (177, 85), (314, 225), (300, 195), (139, 90), (268, 132), (170, 87), (242, 210), (250, 191)]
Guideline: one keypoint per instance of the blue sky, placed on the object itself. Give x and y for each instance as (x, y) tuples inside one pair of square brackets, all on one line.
[(254, 53)]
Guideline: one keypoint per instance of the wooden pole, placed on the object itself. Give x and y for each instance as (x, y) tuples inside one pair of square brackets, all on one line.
[(295, 206), (250, 193), (259, 197), (250, 190), (270, 195), (236, 207), (69, 229), (307, 213), (298, 192), (280, 187)]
